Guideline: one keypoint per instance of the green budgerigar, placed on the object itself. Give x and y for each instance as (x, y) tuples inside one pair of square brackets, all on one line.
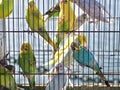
[(6, 79), (35, 21), (27, 63), (6, 8)]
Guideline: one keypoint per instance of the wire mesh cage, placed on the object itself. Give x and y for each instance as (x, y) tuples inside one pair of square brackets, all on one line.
[(59, 44)]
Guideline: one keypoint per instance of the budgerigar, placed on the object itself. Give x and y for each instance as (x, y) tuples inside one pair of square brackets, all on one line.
[(93, 9), (6, 8), (27, 63), (6, 79), (66, 20), (85, 58), (35, 21), (59, 81)]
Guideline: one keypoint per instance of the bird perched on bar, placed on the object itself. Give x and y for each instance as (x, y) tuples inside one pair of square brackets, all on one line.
[(6, 8), (6, 79), (85, 58), (93, 9), (66, 20), (60, 80), (35, 21), (27, 63)]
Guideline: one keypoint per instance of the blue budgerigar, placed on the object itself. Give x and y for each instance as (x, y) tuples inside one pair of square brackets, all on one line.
[(85, 58)]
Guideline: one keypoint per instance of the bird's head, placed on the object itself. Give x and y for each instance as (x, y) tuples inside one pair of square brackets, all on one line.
[(60, 68), (31, 5), (25, 47), (74, 46), (84, 17)]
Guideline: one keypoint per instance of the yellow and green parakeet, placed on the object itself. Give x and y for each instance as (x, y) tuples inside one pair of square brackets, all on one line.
[(35, 21), (6, 7), (66, 20), (6, 79), (27, 62), (66, 16)]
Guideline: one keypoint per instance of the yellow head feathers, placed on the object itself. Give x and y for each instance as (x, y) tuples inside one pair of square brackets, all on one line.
[(31, 4), (82, 39), (25, 47)]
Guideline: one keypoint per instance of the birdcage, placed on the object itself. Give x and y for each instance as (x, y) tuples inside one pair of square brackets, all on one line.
[(59, 44)]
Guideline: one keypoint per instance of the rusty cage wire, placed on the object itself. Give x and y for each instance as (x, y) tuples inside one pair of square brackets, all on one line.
[(97, 34)]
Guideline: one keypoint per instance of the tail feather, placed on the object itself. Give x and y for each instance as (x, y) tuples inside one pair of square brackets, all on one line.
[(104, 79), (107, 83), (32, 83)]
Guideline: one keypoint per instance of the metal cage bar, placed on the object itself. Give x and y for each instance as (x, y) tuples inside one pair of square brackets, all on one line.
[(102, 43)]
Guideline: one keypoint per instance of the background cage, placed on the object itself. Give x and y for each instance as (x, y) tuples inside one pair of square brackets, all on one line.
[(102, 39)]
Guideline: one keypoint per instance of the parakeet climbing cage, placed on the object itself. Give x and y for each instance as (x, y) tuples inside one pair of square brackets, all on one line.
[(51, 44)]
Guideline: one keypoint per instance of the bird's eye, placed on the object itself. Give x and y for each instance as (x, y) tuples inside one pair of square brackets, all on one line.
[(26, 48)]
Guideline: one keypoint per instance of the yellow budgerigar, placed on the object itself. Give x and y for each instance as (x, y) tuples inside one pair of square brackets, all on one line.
[(66, 16), (65, 21), (35, 21), (6, 8)]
